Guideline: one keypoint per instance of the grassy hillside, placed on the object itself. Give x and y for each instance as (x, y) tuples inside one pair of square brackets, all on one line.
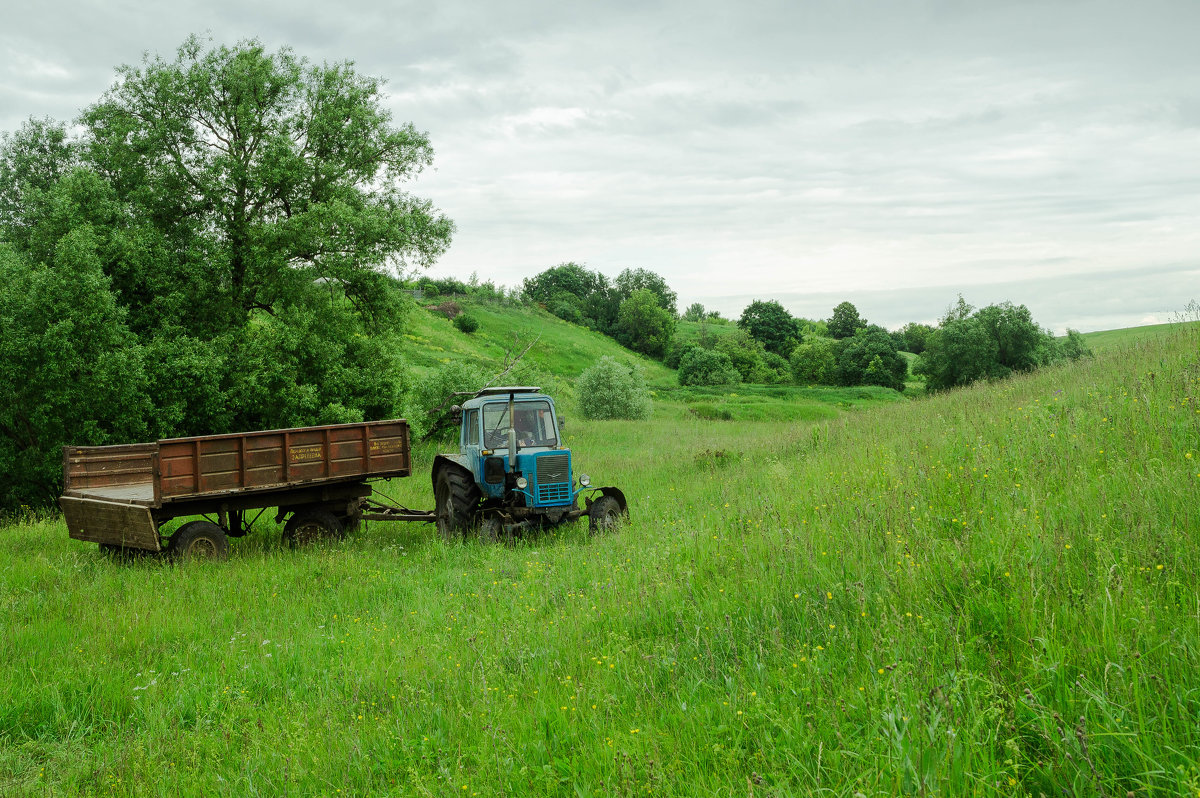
[(987, 592), (562, 349)]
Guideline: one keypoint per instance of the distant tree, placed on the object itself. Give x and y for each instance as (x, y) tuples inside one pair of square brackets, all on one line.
[(746, 355), (814, 362), (870, 358), (914, 334), (1021, 344), (700, 366), (610, 389), (1074, 346), (959, 352), (564, 279), (631, 280), (845, 321), (643, 325), (695, 312), (769, 323)]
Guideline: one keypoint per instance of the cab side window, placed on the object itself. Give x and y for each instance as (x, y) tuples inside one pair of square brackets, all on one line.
[(472, 428)]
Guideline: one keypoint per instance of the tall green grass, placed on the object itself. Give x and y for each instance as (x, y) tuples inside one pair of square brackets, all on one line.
[(987, 592)]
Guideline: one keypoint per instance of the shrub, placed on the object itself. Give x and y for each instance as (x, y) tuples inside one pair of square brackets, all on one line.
[(813, 362), (466, 323), (706, 367), (613, 390)]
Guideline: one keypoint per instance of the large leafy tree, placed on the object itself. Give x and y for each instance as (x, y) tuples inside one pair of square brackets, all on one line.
[(223, 239), (769, 323), (263, 173)]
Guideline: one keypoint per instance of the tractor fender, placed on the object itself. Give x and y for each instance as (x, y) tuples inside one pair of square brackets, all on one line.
[(457, 461), (618, 495)]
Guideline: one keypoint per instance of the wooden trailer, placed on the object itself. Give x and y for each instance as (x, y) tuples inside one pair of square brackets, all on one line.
[(120, 496)]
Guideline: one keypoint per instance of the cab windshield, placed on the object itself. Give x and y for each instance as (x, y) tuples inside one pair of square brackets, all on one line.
[(534, 425)]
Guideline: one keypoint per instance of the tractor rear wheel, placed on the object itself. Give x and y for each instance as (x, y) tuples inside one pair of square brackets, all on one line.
[(456, 498), (604, 515)]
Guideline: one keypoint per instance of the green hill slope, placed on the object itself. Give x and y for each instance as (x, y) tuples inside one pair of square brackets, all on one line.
[(986, 592)]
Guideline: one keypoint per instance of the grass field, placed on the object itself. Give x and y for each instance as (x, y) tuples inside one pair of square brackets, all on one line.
[(987, 592)]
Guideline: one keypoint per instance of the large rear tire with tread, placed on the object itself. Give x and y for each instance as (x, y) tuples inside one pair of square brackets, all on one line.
[(199, 540), (307, 527), (456, 498)]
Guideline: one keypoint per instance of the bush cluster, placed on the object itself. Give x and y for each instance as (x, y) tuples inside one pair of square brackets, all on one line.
[(610, 389)]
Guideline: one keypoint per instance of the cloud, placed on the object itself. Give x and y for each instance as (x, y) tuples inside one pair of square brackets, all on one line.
[(877, 152)]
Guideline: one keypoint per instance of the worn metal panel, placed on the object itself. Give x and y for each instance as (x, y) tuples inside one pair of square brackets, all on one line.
[(128, 525)]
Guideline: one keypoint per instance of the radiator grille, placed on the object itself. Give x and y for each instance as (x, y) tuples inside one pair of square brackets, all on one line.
[(554, 494), (554, 479), (553, 468)]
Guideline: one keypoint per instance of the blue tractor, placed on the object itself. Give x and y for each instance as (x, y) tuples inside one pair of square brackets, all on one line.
[(512, 471)]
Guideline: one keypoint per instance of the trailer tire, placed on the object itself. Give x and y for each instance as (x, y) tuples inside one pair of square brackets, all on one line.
[(604, 515), (456, 499), (199, 540), (307, 527)]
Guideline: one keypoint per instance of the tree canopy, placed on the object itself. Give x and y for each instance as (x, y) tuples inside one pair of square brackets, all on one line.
[(769, 323), (239, 220), (845, 321)]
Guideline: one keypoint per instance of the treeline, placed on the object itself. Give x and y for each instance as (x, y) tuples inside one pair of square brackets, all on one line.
[(766, 344)]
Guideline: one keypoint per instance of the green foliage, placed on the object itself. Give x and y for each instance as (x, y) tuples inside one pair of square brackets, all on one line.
[(700, 366), (694, 312), (769, 323), (746, 355), (869, 357), (32, 161), (611, 389), (845, 321), (264, 173), (643, 325), (630, 281), (73, 373), (814, 362), (427, 406), (1074, 346), (240, 206), (914, 335), (990, 343), (466, 323)]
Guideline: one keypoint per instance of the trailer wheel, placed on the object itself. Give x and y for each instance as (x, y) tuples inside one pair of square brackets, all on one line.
[(199, 540), (456, 498), (312, 526), (604, 515)]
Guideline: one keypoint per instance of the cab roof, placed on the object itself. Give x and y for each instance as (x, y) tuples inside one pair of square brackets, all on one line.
[(520, 393)]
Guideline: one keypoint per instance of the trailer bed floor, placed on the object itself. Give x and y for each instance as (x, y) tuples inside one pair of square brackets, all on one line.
[(133, 493)]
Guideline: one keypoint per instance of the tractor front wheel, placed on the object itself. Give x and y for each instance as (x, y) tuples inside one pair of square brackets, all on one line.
[(456, 500), (604, 515)]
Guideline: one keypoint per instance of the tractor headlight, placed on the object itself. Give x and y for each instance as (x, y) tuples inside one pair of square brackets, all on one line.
[(522, 483), (585, 480)]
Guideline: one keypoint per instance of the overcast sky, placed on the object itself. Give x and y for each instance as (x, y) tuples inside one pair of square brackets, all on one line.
[(892, 153)]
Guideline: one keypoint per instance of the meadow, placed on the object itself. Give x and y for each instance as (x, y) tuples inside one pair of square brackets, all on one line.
[(988, 592)]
